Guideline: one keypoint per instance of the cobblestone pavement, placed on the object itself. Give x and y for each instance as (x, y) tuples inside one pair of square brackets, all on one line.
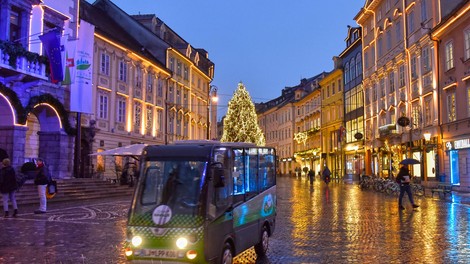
[(338, 223)]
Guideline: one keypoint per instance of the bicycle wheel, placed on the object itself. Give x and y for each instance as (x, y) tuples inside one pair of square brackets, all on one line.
[(418, 189)]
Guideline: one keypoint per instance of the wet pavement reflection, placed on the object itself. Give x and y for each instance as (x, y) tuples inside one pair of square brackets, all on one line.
[(338, 223)]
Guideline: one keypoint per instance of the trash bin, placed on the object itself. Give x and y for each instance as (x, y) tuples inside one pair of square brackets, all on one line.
[(442, 177)]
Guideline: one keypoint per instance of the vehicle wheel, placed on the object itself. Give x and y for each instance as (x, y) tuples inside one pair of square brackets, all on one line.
[(227, 255), (262, 247)]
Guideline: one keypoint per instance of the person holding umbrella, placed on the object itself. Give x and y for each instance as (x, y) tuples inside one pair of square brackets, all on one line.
[(404, 179)]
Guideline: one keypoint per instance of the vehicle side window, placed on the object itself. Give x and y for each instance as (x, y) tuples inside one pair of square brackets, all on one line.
[(251, 185), (267, 171), (222, 194), (238, 175)]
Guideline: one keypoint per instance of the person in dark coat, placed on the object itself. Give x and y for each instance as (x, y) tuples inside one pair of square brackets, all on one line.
[(41, 180), (404, 179), (8, 187)]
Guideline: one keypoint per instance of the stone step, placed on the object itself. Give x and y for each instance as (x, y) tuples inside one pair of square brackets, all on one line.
[(74, 189)]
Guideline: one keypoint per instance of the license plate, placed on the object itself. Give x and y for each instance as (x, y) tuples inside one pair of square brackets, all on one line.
[(161, 253)]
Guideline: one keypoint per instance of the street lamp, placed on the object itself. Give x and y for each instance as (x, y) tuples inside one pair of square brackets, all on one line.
[(211, 111)]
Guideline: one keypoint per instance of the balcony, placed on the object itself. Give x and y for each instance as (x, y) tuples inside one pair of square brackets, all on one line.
[(20, 65)]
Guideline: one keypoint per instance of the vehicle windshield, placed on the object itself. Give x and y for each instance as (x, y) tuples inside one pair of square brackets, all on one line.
[(170, 187)]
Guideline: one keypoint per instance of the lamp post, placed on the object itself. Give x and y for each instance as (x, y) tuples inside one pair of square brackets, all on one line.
[(212, 99)]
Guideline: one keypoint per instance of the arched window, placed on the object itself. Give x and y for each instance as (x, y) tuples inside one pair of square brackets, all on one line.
[(352, 69), (358, 64), (346, 72)]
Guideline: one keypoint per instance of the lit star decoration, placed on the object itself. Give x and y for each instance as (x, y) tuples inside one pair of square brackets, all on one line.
[(241, 121)]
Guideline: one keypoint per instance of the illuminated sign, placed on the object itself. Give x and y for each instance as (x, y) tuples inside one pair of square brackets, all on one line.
[(458, 144)]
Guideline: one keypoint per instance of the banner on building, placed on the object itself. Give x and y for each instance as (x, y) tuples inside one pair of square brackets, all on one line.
[(68, 61), (81, 88), (53, 48)]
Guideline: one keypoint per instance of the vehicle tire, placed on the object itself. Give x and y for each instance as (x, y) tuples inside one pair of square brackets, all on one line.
[(262, 247), (227, 254)]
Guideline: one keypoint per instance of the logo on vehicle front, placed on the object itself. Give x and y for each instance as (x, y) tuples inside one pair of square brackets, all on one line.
[(161, 215)]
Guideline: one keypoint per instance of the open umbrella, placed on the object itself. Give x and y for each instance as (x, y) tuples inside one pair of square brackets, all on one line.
[(409, 161)]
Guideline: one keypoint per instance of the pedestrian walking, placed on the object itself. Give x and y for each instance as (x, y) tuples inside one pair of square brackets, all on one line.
[(41, 180), (8, 187), (404, 179), (311, 176)]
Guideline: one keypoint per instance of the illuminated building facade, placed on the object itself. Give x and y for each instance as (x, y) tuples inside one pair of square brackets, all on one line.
[(34, 121), (452, 41), (353, 147), (276, 120), (137, 97), (332, 128), (152, 84), (399, 80), (307, 140)]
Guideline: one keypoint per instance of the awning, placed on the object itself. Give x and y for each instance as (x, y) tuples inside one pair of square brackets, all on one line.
[(130, 150)]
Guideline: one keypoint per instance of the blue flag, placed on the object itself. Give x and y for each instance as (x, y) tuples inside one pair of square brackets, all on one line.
[(51, 42)]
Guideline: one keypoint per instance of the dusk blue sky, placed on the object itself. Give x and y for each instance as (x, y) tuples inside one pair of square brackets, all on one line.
[(266, 44)]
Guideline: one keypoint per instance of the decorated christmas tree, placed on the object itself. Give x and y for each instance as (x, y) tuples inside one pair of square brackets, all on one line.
[(241, 121)]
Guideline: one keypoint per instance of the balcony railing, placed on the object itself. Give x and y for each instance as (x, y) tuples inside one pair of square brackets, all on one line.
[(24, 62)]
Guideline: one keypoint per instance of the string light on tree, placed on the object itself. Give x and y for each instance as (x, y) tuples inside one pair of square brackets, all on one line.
[(241, 121)]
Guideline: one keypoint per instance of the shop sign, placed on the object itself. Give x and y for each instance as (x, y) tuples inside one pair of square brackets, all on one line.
[(458, 144)]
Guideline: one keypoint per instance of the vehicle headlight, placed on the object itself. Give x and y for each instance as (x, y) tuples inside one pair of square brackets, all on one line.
[(136, 241), (181, 242)]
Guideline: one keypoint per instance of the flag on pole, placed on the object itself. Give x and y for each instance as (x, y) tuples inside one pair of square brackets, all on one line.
[(68, 60), (81, 89), (51, 42)]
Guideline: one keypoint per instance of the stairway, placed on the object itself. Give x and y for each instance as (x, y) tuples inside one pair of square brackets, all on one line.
[(73, 190)]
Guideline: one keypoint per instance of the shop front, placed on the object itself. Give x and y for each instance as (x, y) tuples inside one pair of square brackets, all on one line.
[(457, 153)]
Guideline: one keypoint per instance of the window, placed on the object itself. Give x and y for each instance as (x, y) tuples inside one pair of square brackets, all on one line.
[(382, 87), (366, 59), (415, 114), (374, 92), (104, 64), (137, 116), (424, 11), (367, 96), (15, 24), (186, 73), (358, 64), (178, 67), (398, 31), (413, 67), (467, 43), (149, 123), (346, 72), (353, 69), (160, 120), (121, 110), (138, 77), (427, 112), (123, 71), (365, 30), (103, 106), (172, 64), (401, 75), (449, 55), (160, 87), (391, 82), (411, 23), (149, 83), (339, 85), (387, 5), (379, 47), (451, 107), (425, 59)]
